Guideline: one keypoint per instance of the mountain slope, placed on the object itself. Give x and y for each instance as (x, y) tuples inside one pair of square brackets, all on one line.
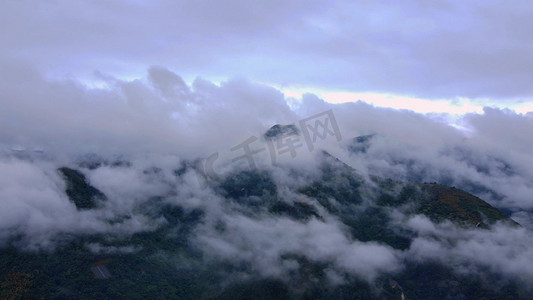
[(168, 261)]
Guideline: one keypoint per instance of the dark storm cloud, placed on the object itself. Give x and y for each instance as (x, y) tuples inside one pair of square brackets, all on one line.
[(440, 49)]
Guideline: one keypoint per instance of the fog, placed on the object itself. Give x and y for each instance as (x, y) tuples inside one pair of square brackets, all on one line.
[(159, 122)]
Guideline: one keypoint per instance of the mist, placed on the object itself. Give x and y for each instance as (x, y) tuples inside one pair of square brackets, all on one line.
[(138, 133)]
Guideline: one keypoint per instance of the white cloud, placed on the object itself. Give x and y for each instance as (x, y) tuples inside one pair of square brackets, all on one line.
[(502, 250), (264, 241), (158, 123)]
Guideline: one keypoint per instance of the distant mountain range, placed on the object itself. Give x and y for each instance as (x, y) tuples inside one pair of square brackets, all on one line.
[(164, 264)]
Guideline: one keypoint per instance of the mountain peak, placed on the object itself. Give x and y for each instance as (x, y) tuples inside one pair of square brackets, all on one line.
[(278, 130)]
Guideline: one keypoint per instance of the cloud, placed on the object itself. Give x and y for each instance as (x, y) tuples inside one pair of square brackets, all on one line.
[(36, 213), (144, 132), (264, 242), (490, 158), (502, 250), (163, 115), (142, 117), (96, 81), (100, 249), (445, 49)]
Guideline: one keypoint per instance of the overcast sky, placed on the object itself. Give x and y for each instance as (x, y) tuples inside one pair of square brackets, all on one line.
[(481, 50)]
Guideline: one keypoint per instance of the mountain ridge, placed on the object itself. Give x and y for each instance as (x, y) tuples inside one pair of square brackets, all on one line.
[(163, 261)]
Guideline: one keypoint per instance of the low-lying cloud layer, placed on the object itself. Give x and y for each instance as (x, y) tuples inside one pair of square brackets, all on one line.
[(502, 250), (158, 124)]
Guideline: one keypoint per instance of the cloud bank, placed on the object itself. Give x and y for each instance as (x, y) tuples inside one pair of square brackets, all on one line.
[(143, 132)]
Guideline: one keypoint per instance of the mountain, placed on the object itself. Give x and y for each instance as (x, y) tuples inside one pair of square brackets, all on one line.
[(165, 263), (278, 130), (79, 191), (360, 144)]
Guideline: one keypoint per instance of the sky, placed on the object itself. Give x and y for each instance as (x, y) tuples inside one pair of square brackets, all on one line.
[(439, 56)]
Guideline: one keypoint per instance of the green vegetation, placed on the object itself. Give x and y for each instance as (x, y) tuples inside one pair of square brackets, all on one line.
[(446, 203), (163, 264), (280, 130), (249, 183), (297, 210), (79, 191)]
